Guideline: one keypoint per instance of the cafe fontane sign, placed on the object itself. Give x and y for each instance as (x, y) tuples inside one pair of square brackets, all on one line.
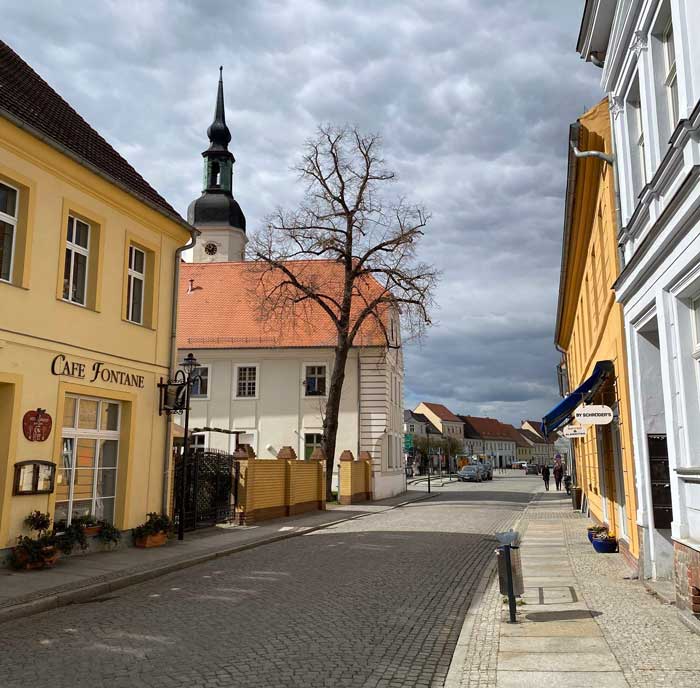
[(98, 371)]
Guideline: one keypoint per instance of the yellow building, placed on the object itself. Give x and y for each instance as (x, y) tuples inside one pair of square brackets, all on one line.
[(590, 330), (88, 255)]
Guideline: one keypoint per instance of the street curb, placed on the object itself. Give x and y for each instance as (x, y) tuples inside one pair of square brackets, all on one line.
[(87, 592), (454, 674)]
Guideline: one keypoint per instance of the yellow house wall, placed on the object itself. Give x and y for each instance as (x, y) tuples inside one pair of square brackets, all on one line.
[(592, 326), (36, 326)]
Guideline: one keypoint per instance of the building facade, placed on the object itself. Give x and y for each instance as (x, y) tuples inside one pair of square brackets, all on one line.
[(589, 328), (88, 254), (267, 378), (651, 73), (498, 441)]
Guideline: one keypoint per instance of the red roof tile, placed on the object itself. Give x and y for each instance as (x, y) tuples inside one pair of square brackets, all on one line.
[(488, 428), (26, 98), (220, 308), (442, 412)]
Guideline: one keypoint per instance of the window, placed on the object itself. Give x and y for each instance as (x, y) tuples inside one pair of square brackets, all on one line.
[(312, 440), (75, 270), (136, 282), (671, 80), (636, 139), (315, 380), (200, 384), (411, 428), (246, 381), (9, 204), (198, 442), (86, 480)]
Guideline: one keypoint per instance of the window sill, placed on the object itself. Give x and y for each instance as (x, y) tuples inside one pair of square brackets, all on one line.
[(255, 398), (13, 284), (77, 305), (143, 326)]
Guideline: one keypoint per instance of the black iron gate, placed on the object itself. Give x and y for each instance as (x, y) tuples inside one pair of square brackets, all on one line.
[(211, 487)]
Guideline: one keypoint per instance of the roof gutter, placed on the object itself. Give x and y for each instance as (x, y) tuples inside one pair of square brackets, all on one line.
[(172, 363), (37, 133)]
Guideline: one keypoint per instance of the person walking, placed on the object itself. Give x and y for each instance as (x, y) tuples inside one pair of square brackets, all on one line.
[(545, 477), (558, 475)]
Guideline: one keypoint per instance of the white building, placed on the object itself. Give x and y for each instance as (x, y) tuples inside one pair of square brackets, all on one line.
[(269, 378), (650, 55)]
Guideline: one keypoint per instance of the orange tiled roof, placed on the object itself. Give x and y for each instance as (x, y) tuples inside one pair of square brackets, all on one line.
[(488, 428), (442, 412), (219, 308)]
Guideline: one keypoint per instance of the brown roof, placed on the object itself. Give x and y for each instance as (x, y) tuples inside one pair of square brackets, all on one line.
[(219, 308), (442, 412), (488, 428), (517, 436), (532, 436), (28, 101)]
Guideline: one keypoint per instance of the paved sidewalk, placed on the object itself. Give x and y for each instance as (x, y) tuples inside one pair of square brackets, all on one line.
[(585, 620), (79, 578)]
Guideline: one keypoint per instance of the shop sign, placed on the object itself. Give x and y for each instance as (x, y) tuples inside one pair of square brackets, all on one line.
[(574, 431), (594, 415), (61, 365), (36, 425)]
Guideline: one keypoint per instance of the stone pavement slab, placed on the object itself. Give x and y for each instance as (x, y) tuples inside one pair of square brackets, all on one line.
[(561, 679), (574, 661)]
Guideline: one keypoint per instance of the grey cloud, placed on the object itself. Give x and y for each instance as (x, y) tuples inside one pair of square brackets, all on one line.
[(472, 97)]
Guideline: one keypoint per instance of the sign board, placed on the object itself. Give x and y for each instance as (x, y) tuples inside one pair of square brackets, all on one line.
[(593, 415), (36, 425), (574, 431), (407, 442)]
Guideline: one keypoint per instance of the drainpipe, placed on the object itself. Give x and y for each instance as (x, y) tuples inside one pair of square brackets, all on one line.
[(172, 363)]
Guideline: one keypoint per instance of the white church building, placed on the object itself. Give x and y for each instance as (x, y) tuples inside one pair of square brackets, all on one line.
[(269, 380)]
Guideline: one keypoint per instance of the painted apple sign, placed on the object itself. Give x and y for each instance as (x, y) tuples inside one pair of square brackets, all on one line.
[(593, 415)]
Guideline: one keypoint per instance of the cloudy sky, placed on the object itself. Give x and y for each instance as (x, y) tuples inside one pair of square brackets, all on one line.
[(473, 99)]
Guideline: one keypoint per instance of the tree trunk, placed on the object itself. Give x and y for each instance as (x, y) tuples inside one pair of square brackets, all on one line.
[(330, 422)]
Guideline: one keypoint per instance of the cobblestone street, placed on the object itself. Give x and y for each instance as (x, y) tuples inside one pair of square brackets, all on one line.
[(377, 601)]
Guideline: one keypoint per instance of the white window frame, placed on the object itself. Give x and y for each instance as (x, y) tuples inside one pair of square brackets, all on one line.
[(304, 376), (203, 397), (10, 220), (671, 75), (637, 143), (75, 433), (305, 432), (82, 250), (132, 275), (236, 370)]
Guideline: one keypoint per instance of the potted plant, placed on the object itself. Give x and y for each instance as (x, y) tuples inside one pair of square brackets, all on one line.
[(68, 536), (91, 526), (108, 534), (605, 543), (39, 552), (596, 530), (154, 532)]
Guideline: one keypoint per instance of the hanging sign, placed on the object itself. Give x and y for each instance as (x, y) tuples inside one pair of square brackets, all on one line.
[(574, 431), (594, 415), (36, 425)]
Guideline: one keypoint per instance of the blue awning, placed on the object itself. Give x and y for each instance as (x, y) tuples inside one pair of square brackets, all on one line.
[(563, 412)]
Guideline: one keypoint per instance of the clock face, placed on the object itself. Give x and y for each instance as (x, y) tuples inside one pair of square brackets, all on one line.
[(211, 248)]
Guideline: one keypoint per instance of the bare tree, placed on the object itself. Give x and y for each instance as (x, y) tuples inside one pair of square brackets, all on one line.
[(345, 218)]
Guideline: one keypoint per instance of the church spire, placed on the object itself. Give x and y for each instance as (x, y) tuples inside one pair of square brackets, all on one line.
[(218, 133)]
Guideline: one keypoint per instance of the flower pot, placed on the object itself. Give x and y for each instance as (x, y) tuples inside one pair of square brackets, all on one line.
[(154, 540), (591, 533), (605, 546), (91, 531), (49, 557)]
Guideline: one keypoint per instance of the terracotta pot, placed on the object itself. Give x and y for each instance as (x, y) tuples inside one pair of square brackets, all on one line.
[(91, 531), (156, 540), (50, 556)]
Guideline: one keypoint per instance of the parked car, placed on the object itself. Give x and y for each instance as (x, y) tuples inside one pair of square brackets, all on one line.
[(473, 473), (488, 470), (532, 469)]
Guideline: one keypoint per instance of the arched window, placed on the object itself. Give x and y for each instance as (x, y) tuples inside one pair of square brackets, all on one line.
[(215, 174)]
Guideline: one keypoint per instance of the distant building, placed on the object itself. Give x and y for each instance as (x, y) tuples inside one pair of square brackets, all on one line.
[(498, 441), (443, 419)]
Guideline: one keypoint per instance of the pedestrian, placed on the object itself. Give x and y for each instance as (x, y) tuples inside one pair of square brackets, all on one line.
[(558, 475), (545, 477)]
